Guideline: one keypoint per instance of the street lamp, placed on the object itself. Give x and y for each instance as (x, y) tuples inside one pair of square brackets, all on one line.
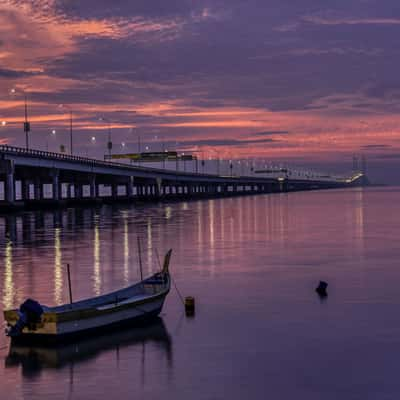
[(109, 143), (27, 125), (70, 126), (51, 134)]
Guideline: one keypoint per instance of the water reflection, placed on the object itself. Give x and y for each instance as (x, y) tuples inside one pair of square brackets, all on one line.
[(240, 257), (359, 217), (58, 275), (149, 246), (34, 359), (126, 247), (8, 292), (96, 257)]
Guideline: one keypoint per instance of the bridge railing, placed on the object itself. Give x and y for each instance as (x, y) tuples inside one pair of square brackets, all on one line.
[(5, 149)]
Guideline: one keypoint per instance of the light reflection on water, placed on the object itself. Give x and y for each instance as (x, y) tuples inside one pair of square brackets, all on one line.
[(252, 263)]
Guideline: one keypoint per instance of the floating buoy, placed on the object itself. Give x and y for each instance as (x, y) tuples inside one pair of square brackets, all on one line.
[(321, 289), (189, 305)]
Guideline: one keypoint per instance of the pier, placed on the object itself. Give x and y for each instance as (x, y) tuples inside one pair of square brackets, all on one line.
[(57, 179)]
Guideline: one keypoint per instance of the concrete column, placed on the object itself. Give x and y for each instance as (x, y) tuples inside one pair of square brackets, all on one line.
[(114, 190), (129, 187), (38, 189), (69, 191), (7, 167), (10, 187), (78, 190), (158, 187), (93, 187), (56, 185), (25, 189)]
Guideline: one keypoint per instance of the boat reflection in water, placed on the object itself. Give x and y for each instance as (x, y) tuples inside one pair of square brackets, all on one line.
[(33, 359)]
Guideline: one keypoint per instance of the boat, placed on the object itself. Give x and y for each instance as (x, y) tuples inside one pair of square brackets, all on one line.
[(33, 322)]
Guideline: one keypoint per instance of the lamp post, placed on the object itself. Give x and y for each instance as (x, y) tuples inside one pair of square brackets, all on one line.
[(109, 142), (217, 161), (27, 125), (70, 127), (3, 124), (51, 134)]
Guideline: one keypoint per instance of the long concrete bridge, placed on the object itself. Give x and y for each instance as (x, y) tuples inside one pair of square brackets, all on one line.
[(30, 178)]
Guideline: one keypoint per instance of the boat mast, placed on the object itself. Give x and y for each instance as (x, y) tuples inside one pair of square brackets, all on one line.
[(69, 284), (140, 258)]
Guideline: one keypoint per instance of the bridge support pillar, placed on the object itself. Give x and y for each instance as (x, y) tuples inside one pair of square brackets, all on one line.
[(158, 187), (38, 189), (69, 190), (10, 186), (114, 190), (56, 184), (129, 187), (93, 187), (25, 189)]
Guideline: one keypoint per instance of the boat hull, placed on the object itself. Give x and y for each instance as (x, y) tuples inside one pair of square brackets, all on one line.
[(76, 323), (60, 339)]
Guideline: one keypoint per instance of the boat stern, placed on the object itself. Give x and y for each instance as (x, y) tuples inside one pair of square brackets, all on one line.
[(47, 325)]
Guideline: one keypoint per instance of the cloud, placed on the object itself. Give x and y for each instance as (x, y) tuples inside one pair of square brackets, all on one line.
[(225, 142), (375, 146), (12, 73), (269, 133), (321, 20), (340, 51), (48, 32), (391, 156), (223, 74)]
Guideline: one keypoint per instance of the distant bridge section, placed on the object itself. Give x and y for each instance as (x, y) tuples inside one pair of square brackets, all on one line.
[(34, 178)]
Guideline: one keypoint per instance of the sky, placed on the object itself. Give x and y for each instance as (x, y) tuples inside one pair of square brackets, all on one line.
[(294, 82)]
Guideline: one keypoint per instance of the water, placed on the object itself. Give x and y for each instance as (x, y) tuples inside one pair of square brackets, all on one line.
[(252, 263)]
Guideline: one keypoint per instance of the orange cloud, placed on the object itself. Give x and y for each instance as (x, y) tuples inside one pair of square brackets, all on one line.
[(37, 26)]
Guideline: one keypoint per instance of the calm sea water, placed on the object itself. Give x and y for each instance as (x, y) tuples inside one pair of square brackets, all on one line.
[(252, 263)]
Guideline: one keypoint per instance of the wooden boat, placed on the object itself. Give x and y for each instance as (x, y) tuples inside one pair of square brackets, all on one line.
[(134, 303)]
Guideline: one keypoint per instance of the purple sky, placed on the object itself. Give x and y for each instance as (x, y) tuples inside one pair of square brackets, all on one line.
[(306, 82)]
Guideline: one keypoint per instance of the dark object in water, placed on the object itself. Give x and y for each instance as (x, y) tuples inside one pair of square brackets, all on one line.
[(321, 289), (189, 306)]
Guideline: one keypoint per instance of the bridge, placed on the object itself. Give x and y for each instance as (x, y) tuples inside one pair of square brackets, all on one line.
[(30, 178)]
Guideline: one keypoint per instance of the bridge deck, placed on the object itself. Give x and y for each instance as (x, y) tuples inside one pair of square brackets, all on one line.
[(74, 178)]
